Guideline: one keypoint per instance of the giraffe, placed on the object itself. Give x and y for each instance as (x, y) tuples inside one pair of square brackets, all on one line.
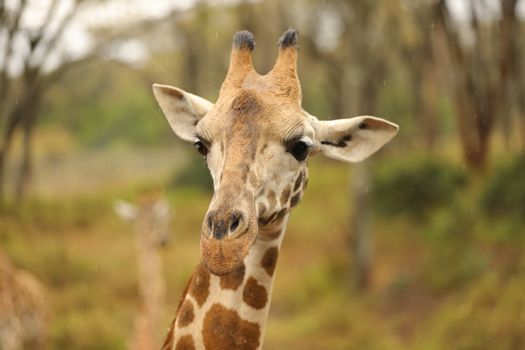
[(23, 308), (255, 139), (151, 218)]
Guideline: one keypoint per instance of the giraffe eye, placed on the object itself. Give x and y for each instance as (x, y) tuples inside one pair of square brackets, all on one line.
[(300, 150), (201, 148)]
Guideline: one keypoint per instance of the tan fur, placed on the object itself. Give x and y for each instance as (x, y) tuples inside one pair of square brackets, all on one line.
[(23, 309)]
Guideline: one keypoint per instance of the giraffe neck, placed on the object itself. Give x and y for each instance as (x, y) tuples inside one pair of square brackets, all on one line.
[(229, 312), (23, 308), (152, 292)]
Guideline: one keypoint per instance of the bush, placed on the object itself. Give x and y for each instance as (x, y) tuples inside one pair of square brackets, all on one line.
[(505, 194), (488, 315), (415, 187)]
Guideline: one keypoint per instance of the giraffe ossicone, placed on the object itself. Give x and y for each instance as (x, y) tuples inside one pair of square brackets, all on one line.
[(256, 139)]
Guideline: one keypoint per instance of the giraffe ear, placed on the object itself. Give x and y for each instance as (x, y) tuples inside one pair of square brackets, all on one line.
[(125, 210), (352, 139), (182, 109)]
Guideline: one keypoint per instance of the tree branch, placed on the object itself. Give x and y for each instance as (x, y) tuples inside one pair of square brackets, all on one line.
[(4, 76), (52, 42), (37, 38)]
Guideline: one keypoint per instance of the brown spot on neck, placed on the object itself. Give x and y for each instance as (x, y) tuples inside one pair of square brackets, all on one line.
[(263, 221), (270, 234), (261, 208), (269, 260), (271, 199), (224, 329), (298, 181), (185, 343), (200, 284), (295, 199), (255, 294), (285, 195), (280, 215), (234, 279), (186, 314)]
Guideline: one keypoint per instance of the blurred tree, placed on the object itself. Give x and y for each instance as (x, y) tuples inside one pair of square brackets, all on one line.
[(195, 47), (419, 48), (357, 64), (21, 95), (479, 91), (512, 81), (32, 60)]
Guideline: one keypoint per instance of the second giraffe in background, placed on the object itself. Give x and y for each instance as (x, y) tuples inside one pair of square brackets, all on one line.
[(151, 218)]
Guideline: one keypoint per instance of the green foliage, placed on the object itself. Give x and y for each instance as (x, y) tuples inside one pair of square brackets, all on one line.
[(488, 316), (195, 175), (450, 266), (416, 186), (505, 192), (395, 104), (111, 106)]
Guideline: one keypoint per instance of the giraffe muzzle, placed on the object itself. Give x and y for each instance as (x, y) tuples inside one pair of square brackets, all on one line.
[(226, 238)]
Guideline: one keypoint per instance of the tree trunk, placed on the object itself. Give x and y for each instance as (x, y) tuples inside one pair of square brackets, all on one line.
[(474, 146), (25, 172), (509, 68), (24, 116), (360, 227), (428, 104), (477, 93), (2, 174), (5, 146), (29, 119)]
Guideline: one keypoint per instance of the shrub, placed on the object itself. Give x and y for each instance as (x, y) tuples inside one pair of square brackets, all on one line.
[(416, 186), (488, 315), (505, 193)]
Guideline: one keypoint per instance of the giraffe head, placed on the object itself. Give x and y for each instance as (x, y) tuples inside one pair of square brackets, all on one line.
[(151, 217), (256, 139)]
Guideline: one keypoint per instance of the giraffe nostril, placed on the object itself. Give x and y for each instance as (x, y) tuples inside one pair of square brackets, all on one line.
[(221, 225), (236, 221), (209, 221)]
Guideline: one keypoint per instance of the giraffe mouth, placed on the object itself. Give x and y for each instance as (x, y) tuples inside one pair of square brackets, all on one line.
[(229, 229), (222, 257)]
